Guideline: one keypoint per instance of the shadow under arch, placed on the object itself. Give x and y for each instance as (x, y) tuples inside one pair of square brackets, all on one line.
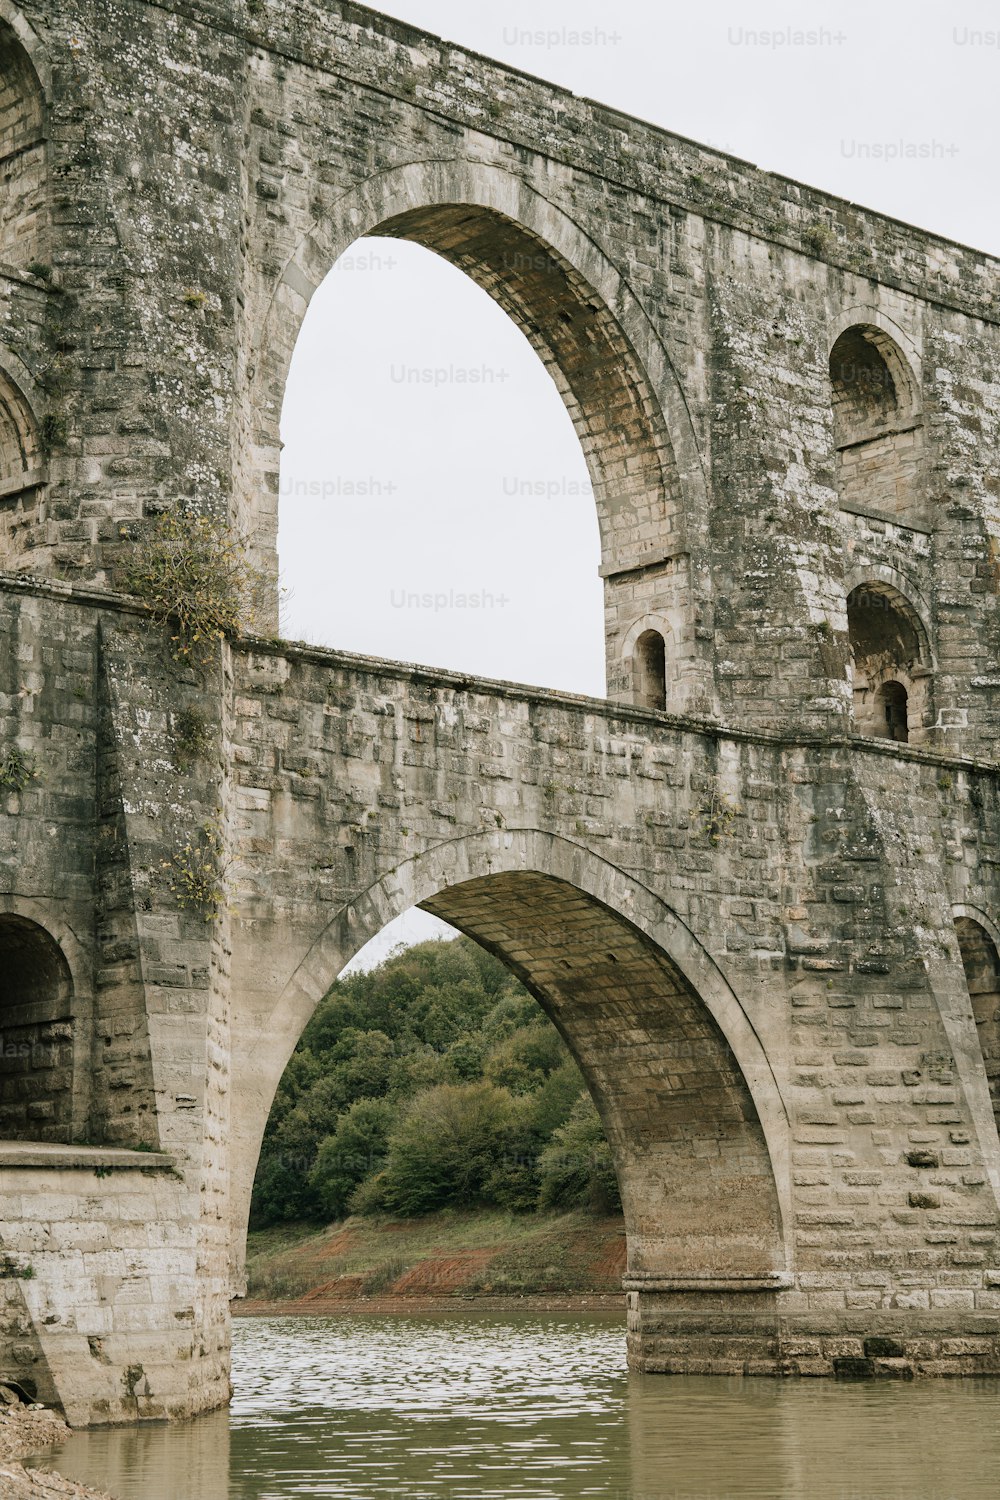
[(564, 294), (691, 1106)]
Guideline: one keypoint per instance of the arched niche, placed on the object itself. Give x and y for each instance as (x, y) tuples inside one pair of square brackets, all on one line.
[(981, 963), (890, 663), (877, 427), (649, 667), (21, 473)]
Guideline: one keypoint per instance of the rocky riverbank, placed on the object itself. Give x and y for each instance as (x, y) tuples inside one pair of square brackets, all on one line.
[(24, 1430)]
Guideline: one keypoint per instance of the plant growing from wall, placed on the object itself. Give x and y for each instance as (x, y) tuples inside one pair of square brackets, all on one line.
[(11, 1270), (196, 873), (16, 769), (716, 815), (819, 238), (195, 573)]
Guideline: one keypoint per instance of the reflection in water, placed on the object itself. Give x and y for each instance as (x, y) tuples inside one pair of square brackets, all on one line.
[(541, 1407)]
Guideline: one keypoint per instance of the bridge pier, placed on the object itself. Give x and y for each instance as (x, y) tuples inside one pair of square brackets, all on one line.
[(752, 1329), (109, 1308)]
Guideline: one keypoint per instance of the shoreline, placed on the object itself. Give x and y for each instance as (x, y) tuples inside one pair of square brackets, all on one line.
[(319, 1306), (25, 1431)]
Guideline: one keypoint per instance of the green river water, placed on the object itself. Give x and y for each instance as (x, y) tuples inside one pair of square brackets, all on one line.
[(478, 1407)]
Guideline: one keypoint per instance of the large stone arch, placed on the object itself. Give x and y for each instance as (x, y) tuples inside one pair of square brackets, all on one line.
[(690, 1103), (13, 16), (565, 294)]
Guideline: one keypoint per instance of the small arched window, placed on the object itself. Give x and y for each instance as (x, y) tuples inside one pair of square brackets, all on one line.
[(650, 659), (890, 664)]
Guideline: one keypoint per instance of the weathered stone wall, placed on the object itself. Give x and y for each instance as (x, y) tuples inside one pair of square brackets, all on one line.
[(747, 939), (688, 324), (99, 1286)]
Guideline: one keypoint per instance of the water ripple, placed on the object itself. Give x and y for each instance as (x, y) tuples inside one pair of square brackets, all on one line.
[(532, 1408)]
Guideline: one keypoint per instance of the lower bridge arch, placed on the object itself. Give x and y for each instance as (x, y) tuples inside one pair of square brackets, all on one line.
[(690, 1104)]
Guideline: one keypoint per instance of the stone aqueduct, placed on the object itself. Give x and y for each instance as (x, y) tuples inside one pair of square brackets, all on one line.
[(757, 889)]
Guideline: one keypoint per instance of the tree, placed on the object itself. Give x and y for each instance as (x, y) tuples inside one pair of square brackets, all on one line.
[(354, 1151), (449, 1144), (576, 1168)]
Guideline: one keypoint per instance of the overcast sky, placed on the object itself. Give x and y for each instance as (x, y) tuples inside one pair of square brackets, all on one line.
[(411, 526)]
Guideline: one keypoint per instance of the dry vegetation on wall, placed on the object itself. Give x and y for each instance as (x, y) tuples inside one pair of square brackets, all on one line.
[(194, 572)]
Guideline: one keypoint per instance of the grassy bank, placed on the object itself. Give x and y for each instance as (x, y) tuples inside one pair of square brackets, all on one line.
[(445, 1257)]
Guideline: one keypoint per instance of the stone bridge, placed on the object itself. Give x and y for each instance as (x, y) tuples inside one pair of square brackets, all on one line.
[(757, 889)]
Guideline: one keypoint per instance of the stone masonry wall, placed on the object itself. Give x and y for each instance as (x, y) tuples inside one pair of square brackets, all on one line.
[(188, 236), (747, 939)]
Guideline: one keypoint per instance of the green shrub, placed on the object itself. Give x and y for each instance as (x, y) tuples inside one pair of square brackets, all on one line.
[(450, 1144), (383, 1051), (576, 1168), (355, 1150)]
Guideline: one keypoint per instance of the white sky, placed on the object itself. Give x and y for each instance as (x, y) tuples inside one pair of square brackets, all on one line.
[(892, 105)]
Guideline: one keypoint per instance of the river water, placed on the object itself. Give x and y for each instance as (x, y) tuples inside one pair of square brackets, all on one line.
[(540, 1407)]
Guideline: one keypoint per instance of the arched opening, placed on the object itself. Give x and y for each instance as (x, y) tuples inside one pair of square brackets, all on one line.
[(891, 703), (592, 335), (890, 664), (428, 1081), (981, 962), (479, 510), (681, 1113), (23, 207), (650, 666), (877, 428), (36, 1027)]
